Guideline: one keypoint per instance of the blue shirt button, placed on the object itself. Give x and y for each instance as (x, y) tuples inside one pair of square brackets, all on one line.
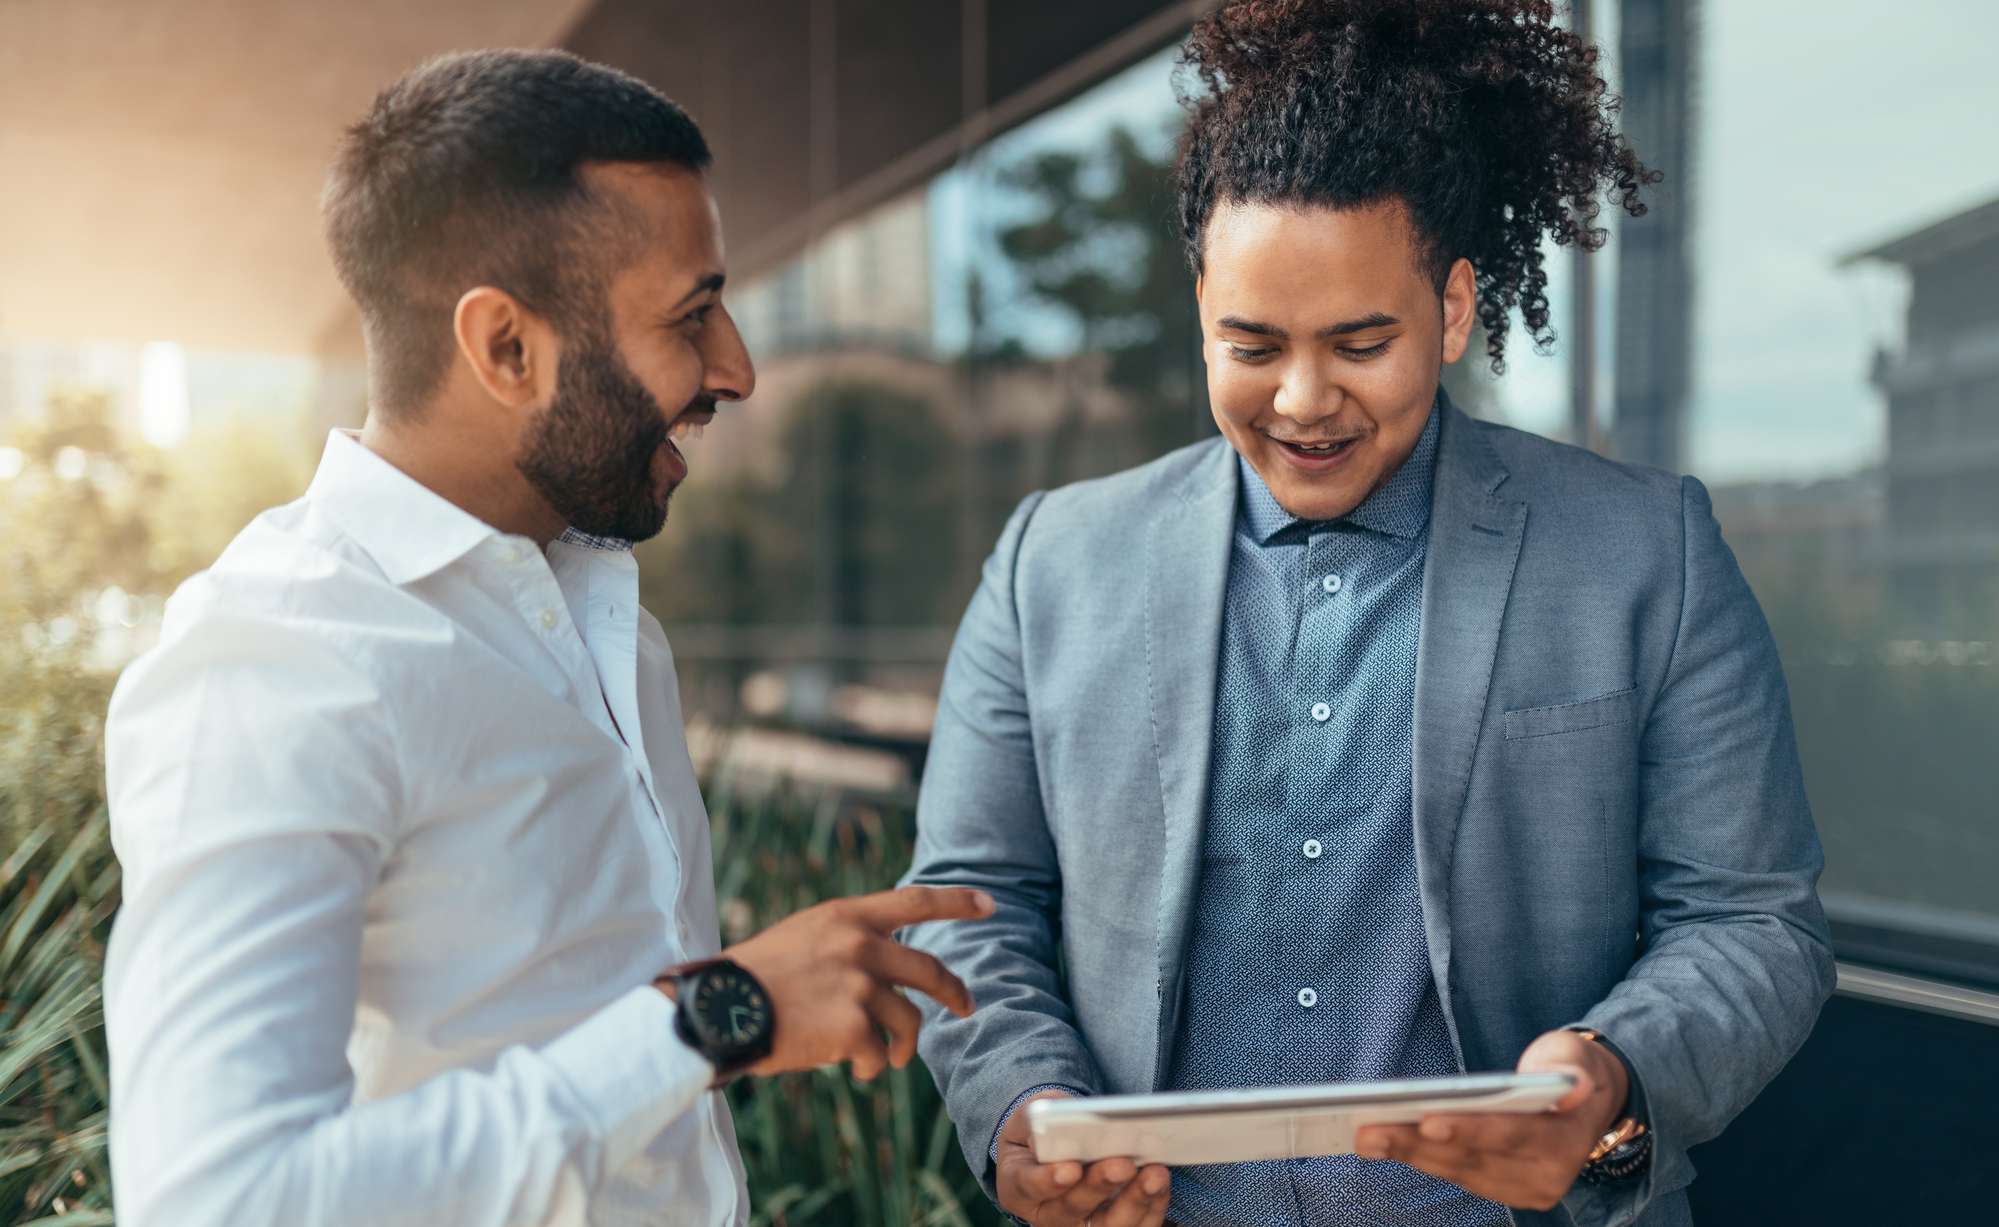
[(1312, 849), (1321, 712), (1331, 583), (1308, 997)]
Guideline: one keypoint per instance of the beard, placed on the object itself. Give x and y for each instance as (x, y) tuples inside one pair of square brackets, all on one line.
[(590, 453)]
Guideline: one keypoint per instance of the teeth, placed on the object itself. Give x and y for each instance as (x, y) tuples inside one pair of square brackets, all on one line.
[(685, 429)]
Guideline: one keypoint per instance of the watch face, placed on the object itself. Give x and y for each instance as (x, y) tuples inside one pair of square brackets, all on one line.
[(734, 1013)]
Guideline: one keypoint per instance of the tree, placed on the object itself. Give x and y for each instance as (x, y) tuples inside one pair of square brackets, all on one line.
[(1112, 257)]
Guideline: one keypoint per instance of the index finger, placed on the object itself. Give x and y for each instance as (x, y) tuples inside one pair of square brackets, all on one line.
[(922, 972), (885, 911)]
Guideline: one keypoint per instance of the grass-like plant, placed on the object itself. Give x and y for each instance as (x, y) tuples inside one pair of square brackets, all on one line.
[(58, 888), (822, 1148)]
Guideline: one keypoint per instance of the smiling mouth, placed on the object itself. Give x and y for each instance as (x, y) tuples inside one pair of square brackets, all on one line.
[(1317, 449)]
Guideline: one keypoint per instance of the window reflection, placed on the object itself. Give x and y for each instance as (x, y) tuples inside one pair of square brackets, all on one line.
[(1027, 320)]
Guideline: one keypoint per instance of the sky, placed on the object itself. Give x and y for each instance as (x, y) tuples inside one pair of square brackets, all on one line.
[(1825, 127)]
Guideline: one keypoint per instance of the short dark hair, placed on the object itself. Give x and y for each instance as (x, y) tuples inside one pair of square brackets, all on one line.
[(1486, 120), (464, 173)]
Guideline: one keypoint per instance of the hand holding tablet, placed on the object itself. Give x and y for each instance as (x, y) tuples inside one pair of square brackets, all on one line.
[(1112, 1192)]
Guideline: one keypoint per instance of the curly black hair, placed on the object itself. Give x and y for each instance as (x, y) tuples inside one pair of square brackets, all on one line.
[(1486, 120)]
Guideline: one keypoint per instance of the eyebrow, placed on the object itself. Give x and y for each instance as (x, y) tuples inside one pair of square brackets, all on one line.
[(707, 285), (1374, 319)]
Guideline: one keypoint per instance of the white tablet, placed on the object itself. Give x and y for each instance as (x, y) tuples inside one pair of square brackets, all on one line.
[(1272, 1122)]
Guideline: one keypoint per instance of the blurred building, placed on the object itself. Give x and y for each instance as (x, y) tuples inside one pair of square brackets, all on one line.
[(1833, 526), (1942, 553), (1657, 52)]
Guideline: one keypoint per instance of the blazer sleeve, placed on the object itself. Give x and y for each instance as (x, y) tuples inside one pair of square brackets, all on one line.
[(1736, 957), (980, 822)]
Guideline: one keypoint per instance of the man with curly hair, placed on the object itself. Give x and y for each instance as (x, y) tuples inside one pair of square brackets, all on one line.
[(1370, 740)]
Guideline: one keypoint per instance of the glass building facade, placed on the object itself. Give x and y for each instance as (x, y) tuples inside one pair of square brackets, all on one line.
[(1026, 319)]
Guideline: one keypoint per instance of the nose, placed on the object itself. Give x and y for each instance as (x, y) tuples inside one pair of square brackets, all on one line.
[(1306, 394), (727, 372)]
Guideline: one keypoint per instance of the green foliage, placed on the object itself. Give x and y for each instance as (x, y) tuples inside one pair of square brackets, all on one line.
[(58, 881), (822, 1148), (58, 887)]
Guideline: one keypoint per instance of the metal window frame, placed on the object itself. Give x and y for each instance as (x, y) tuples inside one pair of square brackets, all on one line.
[(1893, 952), (1916, 993)]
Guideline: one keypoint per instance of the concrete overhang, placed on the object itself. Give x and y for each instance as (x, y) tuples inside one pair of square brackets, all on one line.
[(162, 160), (1975, 227)]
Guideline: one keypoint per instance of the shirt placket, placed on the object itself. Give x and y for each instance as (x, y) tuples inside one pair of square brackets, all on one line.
[(602, 585), (1318, 585)]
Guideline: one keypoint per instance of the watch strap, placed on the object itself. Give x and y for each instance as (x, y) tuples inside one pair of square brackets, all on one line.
[(1620, 1157), (680, 971)]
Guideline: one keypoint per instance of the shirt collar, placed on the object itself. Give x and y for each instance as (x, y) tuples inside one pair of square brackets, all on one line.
[(407, 528), (1401, 508), (591, 541)]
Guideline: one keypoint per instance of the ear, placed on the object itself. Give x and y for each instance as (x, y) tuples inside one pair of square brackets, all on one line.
[(1460, 299), (510, 350)]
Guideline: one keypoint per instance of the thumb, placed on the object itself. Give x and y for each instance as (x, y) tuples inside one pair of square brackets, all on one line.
[(1578, 1094)]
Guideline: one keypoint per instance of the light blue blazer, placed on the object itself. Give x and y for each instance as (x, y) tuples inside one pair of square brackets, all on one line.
[(1611, 827)]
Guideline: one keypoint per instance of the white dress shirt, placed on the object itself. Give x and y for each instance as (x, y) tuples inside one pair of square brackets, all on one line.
[(408, 826)]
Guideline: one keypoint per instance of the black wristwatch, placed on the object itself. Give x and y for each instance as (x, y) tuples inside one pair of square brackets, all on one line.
[(722, 1013)]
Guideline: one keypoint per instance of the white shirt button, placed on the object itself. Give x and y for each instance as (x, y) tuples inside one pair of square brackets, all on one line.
[(510, 554), (548, 618), (1308, 997), (1312, 849), (1331, 583), (1321, 712)]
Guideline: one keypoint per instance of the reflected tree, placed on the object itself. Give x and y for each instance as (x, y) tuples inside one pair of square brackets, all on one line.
[(851, 521), (1105, 247)]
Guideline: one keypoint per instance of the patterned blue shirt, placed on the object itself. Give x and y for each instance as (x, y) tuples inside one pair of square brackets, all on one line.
[(1308, 961)]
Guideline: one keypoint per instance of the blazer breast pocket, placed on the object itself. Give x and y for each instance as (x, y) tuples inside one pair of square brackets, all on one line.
[(1572, 717)]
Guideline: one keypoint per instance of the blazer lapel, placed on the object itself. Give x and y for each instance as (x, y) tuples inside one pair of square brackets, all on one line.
[(1186, 584), (1467, 576)]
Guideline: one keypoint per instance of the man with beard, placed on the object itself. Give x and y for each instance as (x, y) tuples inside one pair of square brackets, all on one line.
[(419, 916)]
